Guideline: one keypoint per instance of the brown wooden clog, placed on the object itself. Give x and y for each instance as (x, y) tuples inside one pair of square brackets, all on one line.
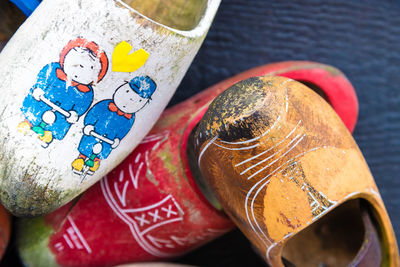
[(289, 174)]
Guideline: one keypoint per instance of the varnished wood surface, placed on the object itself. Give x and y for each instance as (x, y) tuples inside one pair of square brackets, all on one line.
[(278, 158)]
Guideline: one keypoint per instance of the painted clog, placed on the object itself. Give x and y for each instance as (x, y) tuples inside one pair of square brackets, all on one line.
[(289, 174), (149, 207), (85, 82)]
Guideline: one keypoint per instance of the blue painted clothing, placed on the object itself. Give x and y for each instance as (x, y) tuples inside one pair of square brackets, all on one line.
[(106, 123), (56, 90)]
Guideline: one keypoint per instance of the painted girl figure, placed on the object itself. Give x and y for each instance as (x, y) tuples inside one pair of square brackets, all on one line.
[(63, 91), (109, 121)]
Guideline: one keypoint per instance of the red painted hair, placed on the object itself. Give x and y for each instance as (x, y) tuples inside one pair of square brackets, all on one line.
[(93, 47)]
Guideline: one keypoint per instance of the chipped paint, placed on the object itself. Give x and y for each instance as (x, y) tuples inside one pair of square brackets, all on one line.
[(36, 179)]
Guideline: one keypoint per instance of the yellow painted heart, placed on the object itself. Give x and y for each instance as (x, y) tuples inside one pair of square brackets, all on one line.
[(124, 61)]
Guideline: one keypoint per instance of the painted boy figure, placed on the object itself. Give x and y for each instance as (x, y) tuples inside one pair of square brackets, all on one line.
[(63, 91), (109, 121)]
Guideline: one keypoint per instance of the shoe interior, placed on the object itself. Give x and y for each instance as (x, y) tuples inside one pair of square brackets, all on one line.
[(182, 15), (346, 236)]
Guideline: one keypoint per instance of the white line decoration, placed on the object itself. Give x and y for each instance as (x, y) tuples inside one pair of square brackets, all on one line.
[(69, 243), (269, 149), (205, 149), (141, 221), (135, 177), (269, 251), (260, 164), (121, 197), (298, 140), (160, 243), (212, 141), (169, 211), (248, 209), (271, 156), (237, 148), (121, 186), (138, 157), (198, 238), (59, 246), (152, 215), (255, 138), (155, 216), (75, 239), (179, 240), (156, 137)]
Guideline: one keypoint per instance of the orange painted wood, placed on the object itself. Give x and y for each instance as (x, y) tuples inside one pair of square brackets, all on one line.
[(279, 159)]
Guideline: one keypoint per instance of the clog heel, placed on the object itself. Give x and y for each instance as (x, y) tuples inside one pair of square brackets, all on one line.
[(289, 174), (149, 207), (91, 78)]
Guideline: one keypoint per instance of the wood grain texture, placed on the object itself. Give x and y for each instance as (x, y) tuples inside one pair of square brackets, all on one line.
[(278, 158)]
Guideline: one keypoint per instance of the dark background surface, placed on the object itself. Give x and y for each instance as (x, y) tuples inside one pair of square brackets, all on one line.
[(361, 38)]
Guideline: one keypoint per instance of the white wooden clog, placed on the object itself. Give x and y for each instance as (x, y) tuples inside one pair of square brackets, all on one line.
[(83, 81)]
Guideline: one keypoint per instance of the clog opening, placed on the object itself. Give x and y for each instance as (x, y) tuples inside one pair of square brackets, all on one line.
[(10, 19), (346, 236), (179, 14)]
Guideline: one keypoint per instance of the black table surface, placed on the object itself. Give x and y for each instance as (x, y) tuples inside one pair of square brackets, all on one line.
[(361, 38)]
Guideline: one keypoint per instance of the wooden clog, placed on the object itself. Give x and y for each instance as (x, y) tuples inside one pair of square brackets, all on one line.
[(85, 82), (279, 161), (149, 207)]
